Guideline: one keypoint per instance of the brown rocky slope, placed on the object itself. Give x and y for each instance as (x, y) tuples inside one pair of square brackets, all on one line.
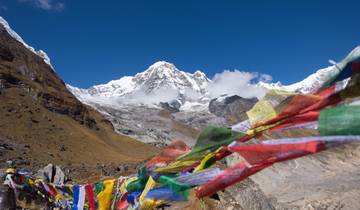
[(42, 122)]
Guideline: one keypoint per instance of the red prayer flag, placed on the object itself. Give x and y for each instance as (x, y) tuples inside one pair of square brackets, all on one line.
[(263, 152), (169, 154), (90, 196)]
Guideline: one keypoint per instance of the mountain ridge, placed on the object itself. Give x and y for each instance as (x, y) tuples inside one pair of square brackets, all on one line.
[(13, 34)]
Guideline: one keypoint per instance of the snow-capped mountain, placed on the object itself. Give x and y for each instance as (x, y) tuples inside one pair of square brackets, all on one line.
[(12, 33), (162, 79), (313, 82), (163, 82)]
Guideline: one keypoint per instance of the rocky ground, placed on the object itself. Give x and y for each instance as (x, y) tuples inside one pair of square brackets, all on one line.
[(327, 180)]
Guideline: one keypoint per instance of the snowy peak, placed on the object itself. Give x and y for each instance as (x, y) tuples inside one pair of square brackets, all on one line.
[(160, 70), (200, 74), (13, 34), (160, 77), (162, 65), (163, 74)]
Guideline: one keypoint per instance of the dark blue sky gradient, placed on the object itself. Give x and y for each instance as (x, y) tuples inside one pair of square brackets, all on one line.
[(92, 42)]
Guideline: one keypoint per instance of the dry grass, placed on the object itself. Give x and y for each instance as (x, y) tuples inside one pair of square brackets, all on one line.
[(56, 138)]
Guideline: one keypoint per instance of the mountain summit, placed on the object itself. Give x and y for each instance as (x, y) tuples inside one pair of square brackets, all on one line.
[(163, 74), (161, 79)]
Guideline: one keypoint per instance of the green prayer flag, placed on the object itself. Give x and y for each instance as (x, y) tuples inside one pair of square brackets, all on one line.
[(210, 139), (176, 186), (99, 186), (138, 184), (342, 120)]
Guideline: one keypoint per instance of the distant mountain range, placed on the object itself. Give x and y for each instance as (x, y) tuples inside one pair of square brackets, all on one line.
[(164, 82)]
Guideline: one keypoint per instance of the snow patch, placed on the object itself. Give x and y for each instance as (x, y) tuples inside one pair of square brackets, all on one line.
[(194, 106)]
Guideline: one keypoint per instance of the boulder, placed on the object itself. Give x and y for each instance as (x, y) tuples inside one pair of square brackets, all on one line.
[(173, 106), (7, 198), (51, 173)]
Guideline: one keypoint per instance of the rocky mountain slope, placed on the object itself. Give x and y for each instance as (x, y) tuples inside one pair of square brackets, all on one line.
[(42, 122), (156, 125)]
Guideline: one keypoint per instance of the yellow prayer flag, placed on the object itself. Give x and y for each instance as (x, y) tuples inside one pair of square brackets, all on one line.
[(150, 204), (204, 161), (261, 112), (104, 197), (126, 183)]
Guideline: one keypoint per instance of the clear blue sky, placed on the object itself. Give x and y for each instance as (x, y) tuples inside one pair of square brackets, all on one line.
[(92, 42)]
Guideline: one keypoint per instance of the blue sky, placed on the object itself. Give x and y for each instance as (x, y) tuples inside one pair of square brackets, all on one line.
[(92, 42)]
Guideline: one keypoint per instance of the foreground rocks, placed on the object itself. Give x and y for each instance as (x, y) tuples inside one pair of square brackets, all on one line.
[(327, 180), (52, 174), (7, 198)]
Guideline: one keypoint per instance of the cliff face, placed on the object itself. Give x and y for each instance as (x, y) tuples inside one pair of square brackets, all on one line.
[(42, 122)]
